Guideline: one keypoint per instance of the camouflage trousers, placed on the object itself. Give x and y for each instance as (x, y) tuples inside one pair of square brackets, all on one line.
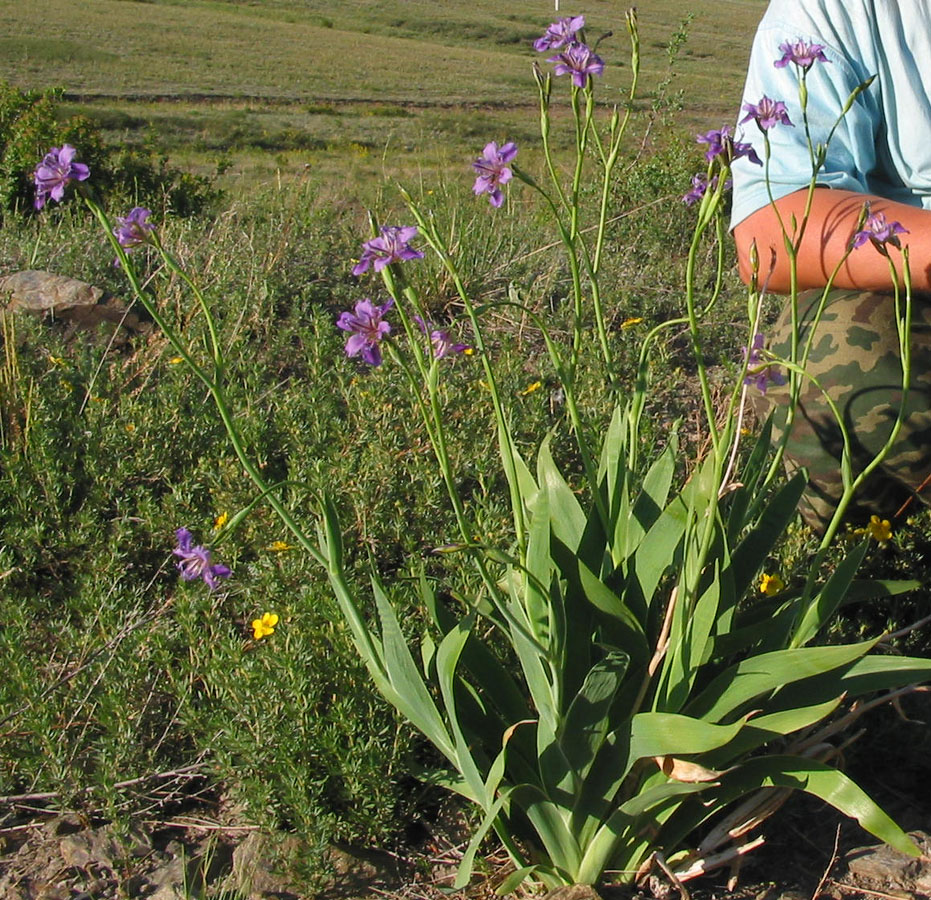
[(855, 360)]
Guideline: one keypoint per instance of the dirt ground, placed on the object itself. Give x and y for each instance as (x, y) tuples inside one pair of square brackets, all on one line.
[(200, 847)]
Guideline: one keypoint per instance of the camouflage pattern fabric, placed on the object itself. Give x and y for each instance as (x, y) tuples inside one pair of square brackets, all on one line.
[(855, 359)]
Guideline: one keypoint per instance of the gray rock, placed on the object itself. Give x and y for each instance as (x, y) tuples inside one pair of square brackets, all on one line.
[(99, 846), (80, 305), (355, 871), (891, 871), (573, 892), (75, 850), (256, 871)]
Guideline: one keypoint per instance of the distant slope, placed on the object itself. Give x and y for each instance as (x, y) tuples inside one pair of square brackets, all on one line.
[(423, 51)]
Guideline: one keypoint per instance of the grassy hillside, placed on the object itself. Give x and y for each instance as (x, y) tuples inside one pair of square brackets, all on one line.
[(358, 90), (410, 50)]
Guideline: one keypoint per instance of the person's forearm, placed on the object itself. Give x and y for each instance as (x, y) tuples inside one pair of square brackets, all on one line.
[(831, 226)]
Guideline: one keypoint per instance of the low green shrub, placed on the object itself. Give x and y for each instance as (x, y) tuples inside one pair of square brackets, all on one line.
[(30, 125)]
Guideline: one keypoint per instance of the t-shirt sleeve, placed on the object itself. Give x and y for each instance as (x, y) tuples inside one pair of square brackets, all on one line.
[(851, 153)]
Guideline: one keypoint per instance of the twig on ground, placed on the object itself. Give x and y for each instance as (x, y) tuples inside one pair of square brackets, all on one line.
[(660, 860), (862, 890), (908, 629), (185, 771), (199, 824), (827, 871)]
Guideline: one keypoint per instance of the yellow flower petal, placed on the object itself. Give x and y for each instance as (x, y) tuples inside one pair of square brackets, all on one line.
[(531, 388), (879, 529), (629, 323), (278, 546), (220, 521), (770, 585), (265, 626), (176, 359)]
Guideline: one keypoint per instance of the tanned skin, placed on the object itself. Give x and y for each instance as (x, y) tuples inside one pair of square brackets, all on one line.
[(831, 225)]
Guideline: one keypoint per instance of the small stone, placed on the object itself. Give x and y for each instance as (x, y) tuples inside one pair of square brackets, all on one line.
[(75, 850)]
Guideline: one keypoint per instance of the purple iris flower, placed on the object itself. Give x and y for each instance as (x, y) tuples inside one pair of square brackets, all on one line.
[(721, 144), (879, 232), (442, 343), (760, 375), (194, 561), (579, 61), (766, 113), (391, 246), (55, 171), (133, 230), (700, 185), (493, 170), (368, 328), (801, 54), (560, 34)]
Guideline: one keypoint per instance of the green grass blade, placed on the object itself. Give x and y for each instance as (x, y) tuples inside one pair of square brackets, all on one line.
[(549, 822), (751, 553), (464, 872), (864, 676), (539, 566), (621, 827), (767, 672), (659, 548), (750, 477), (409, 693), (567, 519), (825, 603), (671, 734), (651, 501), (447, 660), (763, 729), (822, 781), (587, 722)]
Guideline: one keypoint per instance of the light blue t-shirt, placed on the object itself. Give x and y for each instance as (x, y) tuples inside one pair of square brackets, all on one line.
[(883, 145)]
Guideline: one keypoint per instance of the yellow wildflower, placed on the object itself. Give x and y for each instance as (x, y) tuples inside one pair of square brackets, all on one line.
[(771, 585), (879, 529), (220, 521), (265, 626), (176, 359), (278, 546), (130, 428), (56, 360), (531, 388), (629, 323)]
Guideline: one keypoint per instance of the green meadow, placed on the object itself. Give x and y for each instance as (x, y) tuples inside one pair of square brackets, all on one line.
[(261, 86), (128, 694)]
